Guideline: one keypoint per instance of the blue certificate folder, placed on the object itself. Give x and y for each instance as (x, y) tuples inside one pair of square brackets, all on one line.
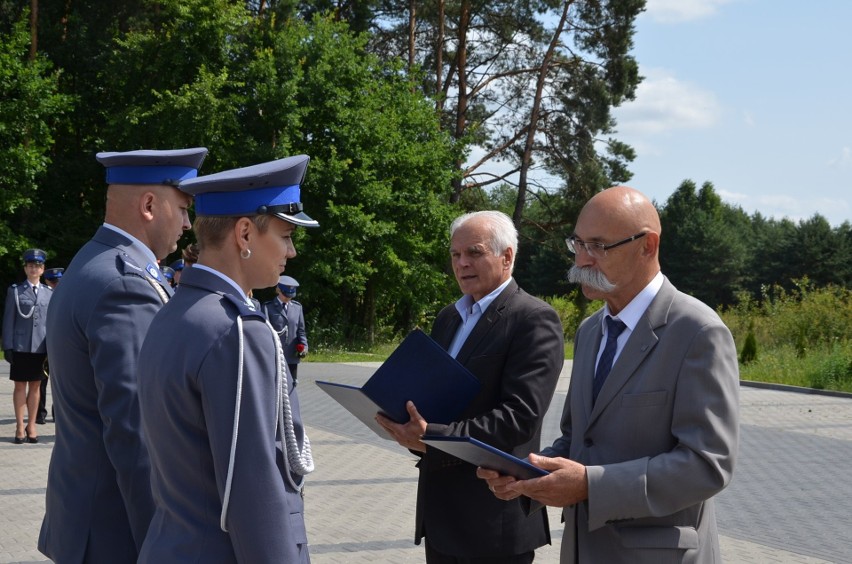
[(484, 455), (418, 370)]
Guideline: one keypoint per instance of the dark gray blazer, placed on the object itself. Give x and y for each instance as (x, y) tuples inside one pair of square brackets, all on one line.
[(660, 441), (98, 503), (516, 351), (187, 393), (26, 334)]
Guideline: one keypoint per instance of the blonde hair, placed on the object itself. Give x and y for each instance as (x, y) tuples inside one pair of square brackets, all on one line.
[(210, 231)]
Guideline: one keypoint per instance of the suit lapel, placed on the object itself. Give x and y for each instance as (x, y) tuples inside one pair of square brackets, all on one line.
[(640, 344), (491, 316), (444, 335)]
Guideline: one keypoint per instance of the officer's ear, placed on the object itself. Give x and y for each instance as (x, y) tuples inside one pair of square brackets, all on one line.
[(244, 230), (146, 205)]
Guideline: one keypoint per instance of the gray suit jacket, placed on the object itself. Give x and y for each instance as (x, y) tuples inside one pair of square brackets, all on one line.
[(660, 441), (26, 334), (99, 503), (187, 393)]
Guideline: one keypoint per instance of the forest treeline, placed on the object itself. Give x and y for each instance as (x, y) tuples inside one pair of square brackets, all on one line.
[(407, 110)]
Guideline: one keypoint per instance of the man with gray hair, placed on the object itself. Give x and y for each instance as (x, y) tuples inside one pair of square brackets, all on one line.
[(513, 343)]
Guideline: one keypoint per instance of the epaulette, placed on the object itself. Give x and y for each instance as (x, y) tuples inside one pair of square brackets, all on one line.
[(245, 309), (295, 302), (151, 273), (125, 265)]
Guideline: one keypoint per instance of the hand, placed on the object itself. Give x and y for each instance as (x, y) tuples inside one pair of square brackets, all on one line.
[(8, 355), (300, 350), (498, 483), (406, 434), (565, 485)]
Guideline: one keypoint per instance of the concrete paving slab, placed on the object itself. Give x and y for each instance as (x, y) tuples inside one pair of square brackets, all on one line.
[(790, 501)]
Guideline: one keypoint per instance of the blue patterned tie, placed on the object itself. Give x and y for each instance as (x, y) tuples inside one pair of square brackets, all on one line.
[(614, 327)]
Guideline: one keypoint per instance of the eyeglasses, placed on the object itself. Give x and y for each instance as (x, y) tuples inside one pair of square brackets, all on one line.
[(595, 249)]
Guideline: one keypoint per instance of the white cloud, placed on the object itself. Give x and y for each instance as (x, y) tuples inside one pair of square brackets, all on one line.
[(676, 11), (844, 160), (737, 198), (664, 103)]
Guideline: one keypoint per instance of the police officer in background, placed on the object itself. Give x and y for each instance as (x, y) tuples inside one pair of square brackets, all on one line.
[(177, 268), (24, 342), (99, 504), (52, 276), (286, 316), (169, 274)]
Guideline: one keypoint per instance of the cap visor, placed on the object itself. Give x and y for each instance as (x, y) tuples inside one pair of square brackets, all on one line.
[(300, 219)]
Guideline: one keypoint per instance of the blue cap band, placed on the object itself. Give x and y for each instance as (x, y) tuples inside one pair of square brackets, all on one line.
[(149, 174), (245, 202)]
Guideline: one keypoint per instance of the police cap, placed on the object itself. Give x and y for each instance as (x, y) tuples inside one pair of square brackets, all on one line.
[(53, 273), (271, 188), (34, 255), (152, 167)]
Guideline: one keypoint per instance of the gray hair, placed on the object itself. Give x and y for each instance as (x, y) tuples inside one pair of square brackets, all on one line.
[(500, 227)]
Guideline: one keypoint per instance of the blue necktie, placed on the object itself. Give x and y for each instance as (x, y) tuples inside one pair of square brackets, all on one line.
[(614, 327)]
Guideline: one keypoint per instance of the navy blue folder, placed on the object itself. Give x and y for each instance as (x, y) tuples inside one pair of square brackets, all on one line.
[(418, 370), (480, 454)]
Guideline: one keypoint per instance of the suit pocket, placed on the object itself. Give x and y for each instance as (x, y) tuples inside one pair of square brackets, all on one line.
[(684, 538), (297, 529), (647, 399)]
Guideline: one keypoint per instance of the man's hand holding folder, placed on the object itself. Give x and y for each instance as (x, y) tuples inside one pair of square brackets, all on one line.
[(565, 485), (406, 434)]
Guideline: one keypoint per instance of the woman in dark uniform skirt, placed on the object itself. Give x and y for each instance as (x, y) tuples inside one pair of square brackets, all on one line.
[(24, 342)]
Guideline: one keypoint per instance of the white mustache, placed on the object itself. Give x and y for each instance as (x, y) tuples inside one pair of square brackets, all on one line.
[(588, 276)]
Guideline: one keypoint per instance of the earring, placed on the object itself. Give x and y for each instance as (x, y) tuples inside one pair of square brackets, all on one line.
[(245, 253)]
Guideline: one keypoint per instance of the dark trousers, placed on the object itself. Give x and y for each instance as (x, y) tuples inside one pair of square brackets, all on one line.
[(42, 402), (435, 557), (294, 368)]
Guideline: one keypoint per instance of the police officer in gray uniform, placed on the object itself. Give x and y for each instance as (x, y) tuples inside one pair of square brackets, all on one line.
[(220, 413), (24, 342), (52, 276), (99, 503), (287, 317)]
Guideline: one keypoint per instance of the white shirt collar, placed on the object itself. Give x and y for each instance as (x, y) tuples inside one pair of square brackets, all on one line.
[(238, 291), (465, 305), (631, 314)]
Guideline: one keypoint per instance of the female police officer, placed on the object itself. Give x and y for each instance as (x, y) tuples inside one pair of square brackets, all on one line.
[(220, 413), (24, 342)]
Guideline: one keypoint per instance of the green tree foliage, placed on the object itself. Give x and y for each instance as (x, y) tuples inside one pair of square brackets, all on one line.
[(30, 106), (384, 169), (529, 83), (257, 85), (703, 251)]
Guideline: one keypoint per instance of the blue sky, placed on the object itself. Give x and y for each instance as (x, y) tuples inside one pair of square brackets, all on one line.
[(751, 95)]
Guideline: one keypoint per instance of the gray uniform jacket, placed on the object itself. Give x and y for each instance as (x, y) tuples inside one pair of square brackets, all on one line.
[(99, 502), (24, 328), (516, 352), (295, 318), (187, 392), (660, 441)]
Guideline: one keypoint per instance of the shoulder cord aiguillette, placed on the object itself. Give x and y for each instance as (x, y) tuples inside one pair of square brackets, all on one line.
[(18, 304), (300, 461)]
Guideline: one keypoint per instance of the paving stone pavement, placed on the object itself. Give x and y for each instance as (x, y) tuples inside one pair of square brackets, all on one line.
[(790, 500)]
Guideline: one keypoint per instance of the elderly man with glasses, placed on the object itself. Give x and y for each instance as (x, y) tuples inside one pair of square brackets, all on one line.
[(650, 425)]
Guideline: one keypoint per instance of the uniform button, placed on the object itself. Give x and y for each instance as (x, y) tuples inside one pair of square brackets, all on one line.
[(588, 442)]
